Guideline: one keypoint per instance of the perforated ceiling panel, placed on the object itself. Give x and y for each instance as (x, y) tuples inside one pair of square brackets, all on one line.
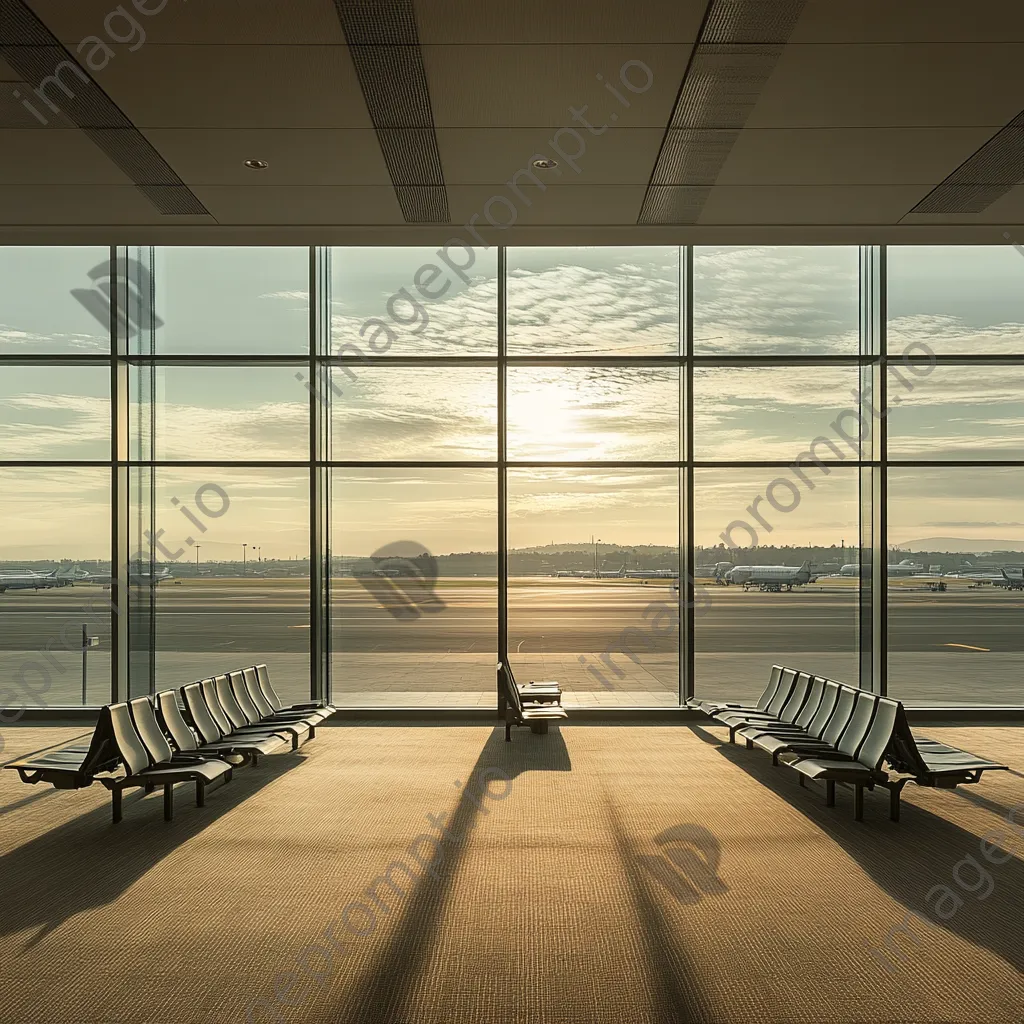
[(987, 175), (384, 44), (57, 90), (739, 46)]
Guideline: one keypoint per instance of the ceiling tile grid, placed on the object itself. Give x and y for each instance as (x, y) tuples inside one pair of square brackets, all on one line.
[(413, 114)]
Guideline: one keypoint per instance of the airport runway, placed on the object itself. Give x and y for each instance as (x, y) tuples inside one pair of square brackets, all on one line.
[(544, 616)]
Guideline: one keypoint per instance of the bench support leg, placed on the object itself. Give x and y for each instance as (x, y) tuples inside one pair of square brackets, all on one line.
[(200, 793), (858, 803), (508, 732), (830, 793), (750, 744), (895, 792), (115, 803), (802, 780), (169, 801), (149, 788)]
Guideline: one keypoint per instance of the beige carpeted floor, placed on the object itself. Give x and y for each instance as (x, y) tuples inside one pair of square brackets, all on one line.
[(624, 874)]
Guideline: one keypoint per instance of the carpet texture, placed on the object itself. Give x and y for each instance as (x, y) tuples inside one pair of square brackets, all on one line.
[(418, 875)]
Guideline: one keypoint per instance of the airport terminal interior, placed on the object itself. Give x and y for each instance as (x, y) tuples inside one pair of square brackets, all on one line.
[(511, 511)]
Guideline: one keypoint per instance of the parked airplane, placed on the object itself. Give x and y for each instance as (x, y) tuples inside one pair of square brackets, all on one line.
[(770, 577), (1013, 579), (651, 574), (29, 580), (893, 571), (136, 578)]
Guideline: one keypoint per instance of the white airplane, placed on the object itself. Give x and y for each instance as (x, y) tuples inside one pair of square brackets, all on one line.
[(28, 580), (136, 578), (652, 574), (1013, 579), (906, 567), (893, 571), (770, 577)]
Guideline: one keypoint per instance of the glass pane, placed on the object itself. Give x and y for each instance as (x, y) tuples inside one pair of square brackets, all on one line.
[(52, 299), (410, 301), (956, 585), (593, 574), (768, 300), (446, 414), (958, 412), (232, 300), (415, 589), (611, 300), (55, 412), (54, 558), (570, 414), (779, 596), (244, 413), (965, 299), (773, 413), (235, 551)]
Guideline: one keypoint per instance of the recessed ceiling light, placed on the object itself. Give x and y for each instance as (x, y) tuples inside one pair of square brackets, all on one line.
[(257, 165), (544, 165)]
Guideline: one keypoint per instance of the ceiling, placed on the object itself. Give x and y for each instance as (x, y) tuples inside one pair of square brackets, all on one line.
[(402, 121)]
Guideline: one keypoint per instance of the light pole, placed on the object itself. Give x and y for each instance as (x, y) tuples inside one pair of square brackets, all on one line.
[(198, 546), (596, 573), (244, 548)]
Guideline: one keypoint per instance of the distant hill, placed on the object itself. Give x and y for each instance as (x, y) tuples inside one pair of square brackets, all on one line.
[(957, 544)]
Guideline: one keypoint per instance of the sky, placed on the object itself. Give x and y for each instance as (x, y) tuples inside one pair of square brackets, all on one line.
[(561, 302)]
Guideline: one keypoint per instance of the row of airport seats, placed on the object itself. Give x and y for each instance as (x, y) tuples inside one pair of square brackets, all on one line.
[(228, 720), (532, 704), (828, 731)]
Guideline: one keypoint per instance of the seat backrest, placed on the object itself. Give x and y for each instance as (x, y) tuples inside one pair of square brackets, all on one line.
[(774, 678), (813, 702), (132, 750), (263, 675), (213, 704), (236, 716), (872, 750), (787, 680), (797, 698), (242, 698), (829, 698), (255, 691), (102, 755), (903, 753), (174, 721), (194, 695), (860, 721), (511, 691), (149, 730), (841, 716)]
